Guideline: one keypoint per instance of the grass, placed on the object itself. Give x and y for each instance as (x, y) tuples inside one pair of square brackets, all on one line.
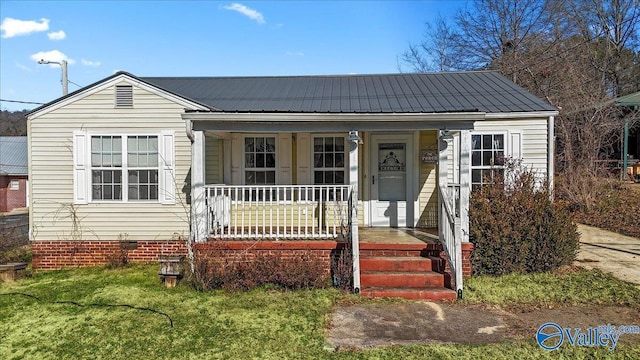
[(263, 323), (570, 288)]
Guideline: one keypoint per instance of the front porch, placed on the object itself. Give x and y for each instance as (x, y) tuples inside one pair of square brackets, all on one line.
[(292, 183)]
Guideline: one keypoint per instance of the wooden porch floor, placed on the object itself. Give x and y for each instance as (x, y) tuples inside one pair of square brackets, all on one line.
[(416, 236)]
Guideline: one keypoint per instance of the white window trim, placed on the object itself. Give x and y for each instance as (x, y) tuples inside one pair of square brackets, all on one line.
[(14, 185), (82, 185), (243, 168), (506, 143), (511, 149), (312, 162)]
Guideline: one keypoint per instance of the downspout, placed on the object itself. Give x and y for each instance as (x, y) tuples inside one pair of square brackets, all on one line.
[(550, 154), (189, 130)]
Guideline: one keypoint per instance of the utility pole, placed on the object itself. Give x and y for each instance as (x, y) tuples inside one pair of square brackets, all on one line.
[(65, 78)]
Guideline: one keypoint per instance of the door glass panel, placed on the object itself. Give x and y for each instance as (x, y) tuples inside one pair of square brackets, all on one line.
[(392, 172)]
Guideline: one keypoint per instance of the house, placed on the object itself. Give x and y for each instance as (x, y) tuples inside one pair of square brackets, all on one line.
[(296, 162), (631, 136), (13, 173)]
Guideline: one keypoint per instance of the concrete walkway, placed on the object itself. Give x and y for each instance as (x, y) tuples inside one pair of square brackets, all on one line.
[(609, 252)]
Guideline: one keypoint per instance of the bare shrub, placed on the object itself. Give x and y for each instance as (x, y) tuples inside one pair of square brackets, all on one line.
[(213, 269), (342, 267)]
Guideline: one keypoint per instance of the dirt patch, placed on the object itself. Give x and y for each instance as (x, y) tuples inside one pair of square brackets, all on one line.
[(365, 326)]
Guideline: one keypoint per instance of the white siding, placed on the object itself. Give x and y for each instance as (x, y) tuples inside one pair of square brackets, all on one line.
[(213, 161), (52, 212), (534, 139), (427, 190)]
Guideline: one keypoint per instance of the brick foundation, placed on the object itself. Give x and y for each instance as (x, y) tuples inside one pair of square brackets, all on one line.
[(53, 255), (323, 251)]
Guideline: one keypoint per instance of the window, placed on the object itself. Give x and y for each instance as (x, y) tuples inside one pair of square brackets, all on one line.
[(108, 168), (487, 157), (260, 160), (328, 160), (14, 185), (142, 158)]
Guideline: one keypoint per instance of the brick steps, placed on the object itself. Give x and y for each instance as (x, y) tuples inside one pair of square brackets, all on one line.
[(403, 273), (411, 294), (396, 263), (413, 279)]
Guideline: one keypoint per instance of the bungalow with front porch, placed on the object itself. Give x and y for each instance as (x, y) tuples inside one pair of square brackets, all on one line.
[(292, 162)]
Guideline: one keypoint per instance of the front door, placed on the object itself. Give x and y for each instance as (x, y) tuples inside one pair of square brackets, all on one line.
[(391, 174)]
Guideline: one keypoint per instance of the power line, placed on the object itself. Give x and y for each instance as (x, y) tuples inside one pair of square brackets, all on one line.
[(22, 102)]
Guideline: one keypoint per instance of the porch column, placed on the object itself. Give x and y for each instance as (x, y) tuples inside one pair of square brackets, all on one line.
[(465, 183), (442, 181), (354, 141), (198, 194)]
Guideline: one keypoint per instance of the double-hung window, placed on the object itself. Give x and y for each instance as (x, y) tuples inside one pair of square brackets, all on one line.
[(328, 160), (329, 164), (124, 168), (260, 160), (487, 157)]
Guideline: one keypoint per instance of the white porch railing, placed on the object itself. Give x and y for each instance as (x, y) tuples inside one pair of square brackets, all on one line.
[(450, 230), (278, 211)]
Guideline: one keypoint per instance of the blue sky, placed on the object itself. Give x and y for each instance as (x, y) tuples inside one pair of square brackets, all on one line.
[(200, 38)]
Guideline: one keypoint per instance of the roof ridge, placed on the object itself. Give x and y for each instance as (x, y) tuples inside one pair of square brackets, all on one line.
[(316, 76)]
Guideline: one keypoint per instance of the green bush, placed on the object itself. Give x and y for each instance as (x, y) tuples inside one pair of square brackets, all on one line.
[(516, 228)]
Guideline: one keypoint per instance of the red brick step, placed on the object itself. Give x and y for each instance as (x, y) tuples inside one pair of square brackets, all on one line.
[(393, 263), (412, 294), (425, 279)]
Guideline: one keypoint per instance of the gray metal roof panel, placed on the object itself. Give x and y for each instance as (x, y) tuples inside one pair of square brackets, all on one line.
[(484, 91), (13, 155)]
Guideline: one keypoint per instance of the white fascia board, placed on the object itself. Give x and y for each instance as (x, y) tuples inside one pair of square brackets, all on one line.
[(331, 117), (190, 105), (521, 115), (312, 122)]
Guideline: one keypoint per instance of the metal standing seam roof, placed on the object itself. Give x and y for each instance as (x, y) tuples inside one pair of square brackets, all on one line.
[(476, 91), (13, 155)]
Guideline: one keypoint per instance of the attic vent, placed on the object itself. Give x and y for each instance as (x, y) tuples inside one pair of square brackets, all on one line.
[(124, 96)]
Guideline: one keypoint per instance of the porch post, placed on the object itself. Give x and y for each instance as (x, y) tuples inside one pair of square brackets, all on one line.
[(198, 195), (442, 182), (465, 183), (354, 141)]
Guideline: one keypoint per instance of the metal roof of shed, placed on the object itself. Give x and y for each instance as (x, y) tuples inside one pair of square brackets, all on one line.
[(479, 91), (13, 155)]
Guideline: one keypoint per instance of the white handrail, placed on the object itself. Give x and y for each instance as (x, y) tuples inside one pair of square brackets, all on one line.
[(451, 231), (278, 211)]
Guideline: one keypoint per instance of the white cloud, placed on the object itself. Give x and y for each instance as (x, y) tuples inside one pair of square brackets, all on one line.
[(57, 35), (90, 63), (248, 12), (295, 53), (53, 55), (13, 27)]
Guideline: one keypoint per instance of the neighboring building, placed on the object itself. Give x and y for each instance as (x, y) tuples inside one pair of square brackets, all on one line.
[(296, 158), (13, 173)]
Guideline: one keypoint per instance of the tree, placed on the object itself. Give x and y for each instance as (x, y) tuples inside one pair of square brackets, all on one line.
[(13, 123), (579, 55)]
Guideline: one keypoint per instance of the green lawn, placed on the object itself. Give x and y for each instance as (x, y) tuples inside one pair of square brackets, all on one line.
[(263, 323)]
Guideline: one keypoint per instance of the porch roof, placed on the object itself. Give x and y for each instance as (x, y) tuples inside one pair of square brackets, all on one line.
[(454, 92)]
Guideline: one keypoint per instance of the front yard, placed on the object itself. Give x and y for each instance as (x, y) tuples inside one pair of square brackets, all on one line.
[(68, 314)]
